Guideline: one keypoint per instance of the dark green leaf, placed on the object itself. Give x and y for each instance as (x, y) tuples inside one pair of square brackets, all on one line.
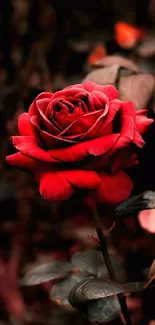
[(102, 310), (61, 290), (90, 289), (96, 298), (135, 204), (46, 272), (91, 262)]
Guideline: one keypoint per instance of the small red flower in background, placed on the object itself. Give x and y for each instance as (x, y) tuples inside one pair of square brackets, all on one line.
[(98, 53), (126, 35), (81, 137)]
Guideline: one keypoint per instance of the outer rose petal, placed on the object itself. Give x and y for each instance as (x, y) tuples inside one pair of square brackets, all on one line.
[(21, 161), (138, 140), (143, 123), (115, 188), (124, 159), (60, 185), (24, 125), (128, 115), (29, 147), (147, 220), (80, 151), (33, 108), (110, 91)]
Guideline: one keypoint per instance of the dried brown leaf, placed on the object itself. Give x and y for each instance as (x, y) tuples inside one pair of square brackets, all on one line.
[(137, 88), (104, 76), (119, 60)]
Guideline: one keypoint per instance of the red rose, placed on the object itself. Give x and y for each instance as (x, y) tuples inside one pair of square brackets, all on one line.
[(80, 138)]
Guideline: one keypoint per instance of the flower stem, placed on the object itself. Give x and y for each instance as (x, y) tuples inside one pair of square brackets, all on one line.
[(149, 282), (104, 249)]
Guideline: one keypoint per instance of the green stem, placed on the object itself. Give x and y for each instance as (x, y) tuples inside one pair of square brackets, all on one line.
[(104, 249)]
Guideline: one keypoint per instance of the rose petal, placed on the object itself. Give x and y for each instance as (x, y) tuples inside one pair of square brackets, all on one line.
[(128, 116), (110, 91), (124, 159), (50, 141), (80, 151), (60, 185), (70, 91), (24, 125), (99, 128), (92, 103), (142, 112), (114, 107), (83, 123), (33, 108), (30, 148), (42, 104), (114, 188), (95, 129), (20, 161), (147, 220), (138, 140), (143, 123), (97, 163), (51, 128), (55, 142)]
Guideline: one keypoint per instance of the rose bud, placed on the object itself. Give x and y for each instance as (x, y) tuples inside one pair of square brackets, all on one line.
[(127, 77)]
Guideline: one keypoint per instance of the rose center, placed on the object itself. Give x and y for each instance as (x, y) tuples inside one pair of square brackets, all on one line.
[(65, 107)]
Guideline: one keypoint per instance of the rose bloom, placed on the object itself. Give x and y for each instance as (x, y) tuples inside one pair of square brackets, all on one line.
[(80, 138)]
